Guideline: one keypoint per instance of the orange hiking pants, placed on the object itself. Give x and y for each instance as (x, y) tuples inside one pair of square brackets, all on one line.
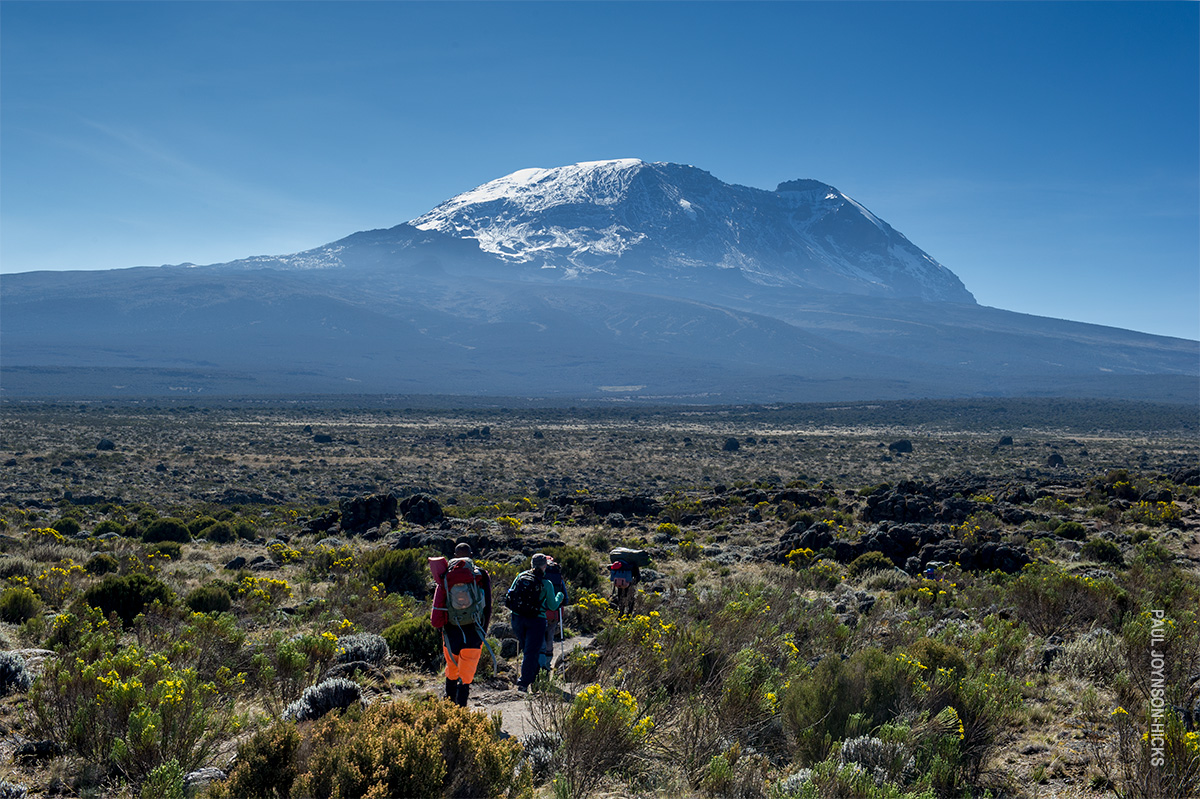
[(464, 669)]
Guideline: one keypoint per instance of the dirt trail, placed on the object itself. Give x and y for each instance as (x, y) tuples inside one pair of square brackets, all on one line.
[(500, 695)]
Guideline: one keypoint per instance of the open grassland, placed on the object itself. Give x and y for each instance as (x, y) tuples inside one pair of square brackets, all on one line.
[(871, 600)]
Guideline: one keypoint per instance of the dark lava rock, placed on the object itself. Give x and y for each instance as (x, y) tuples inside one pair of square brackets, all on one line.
[(360, 514), (421, 509), (236, 564), (1054, 460), (903, 445), (36, 750), (106, 445)]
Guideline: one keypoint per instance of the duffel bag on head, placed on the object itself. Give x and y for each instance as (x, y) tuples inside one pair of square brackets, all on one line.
[(630, 557)]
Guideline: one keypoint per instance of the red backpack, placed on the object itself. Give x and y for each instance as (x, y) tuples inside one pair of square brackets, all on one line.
[(465, 602)]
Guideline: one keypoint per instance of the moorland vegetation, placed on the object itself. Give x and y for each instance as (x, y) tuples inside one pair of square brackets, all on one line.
[(984, 598)]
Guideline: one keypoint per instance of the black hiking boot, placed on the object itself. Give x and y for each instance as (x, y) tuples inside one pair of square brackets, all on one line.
[(452, 688), (464, 693)]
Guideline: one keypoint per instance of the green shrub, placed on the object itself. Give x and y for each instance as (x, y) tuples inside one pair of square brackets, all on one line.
[(131, 709), (266, 765), (108, 526), (102, 563), (200, 524), (869, 562), (164, 782), (936, 655), (401, 571), (19, 604), (167, 529), (579, 568), (416, 641), (165, 549), (1102, 550), (1072, 530), (220, 533), (428, 749), (67, 526), (127, 596), (209, 599), (818, 707), (1051, 601)]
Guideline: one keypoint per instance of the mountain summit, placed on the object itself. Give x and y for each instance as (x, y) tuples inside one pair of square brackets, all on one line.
[(627, 217)]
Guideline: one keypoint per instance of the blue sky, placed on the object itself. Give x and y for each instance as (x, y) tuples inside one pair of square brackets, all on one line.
[(1047, 153)]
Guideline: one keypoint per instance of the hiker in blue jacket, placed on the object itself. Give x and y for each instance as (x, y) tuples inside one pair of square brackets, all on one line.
[(529, 597)]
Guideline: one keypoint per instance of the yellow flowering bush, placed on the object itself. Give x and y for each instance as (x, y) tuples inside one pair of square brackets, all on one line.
[(600, 730), (132, 709)]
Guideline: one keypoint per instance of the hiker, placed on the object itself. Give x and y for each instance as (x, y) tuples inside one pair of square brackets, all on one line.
[(529, 597), (462, 610), (624, 572), (553, 617)]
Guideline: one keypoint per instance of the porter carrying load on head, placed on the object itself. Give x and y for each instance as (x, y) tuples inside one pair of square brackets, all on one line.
[(624, 572)]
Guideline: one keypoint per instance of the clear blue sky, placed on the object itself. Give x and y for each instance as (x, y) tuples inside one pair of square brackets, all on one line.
[(1047, 153)]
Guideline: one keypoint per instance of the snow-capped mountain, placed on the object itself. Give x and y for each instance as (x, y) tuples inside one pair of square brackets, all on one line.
[(662, 220), (602, 279)]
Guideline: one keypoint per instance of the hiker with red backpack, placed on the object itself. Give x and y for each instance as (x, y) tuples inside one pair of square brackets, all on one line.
[(462, 610), (529, 597)]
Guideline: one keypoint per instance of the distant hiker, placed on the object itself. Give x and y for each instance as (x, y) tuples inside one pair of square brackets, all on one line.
[(529, 597), (462, 610), (624, 572), (553, 617)]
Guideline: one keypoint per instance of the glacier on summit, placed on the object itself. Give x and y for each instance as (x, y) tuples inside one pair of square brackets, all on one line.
[(629, 217)]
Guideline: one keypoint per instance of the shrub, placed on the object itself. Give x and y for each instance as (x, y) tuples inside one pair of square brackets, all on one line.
[(1052, 602), (209, 599), (362, 646), (164, 782), (131, 709), (600, 730), (1102, 550), (67, 526), (415, 641), (266, 765), (16, 567), (167, 529), (13, 675), (429, 749), (336, 693), (401, 571), (165, 549), (19, 604), (817, 708), (869, 562), (200, 524), (127, 596), (579, 568), (1072, 530), (102, 563), (220, 533), (108, 526)]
